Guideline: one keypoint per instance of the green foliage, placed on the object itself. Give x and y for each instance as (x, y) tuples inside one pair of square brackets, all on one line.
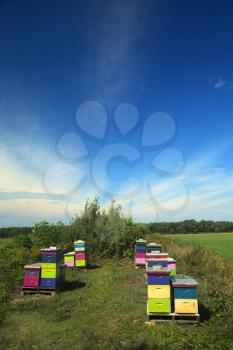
[(45, 234), (106, 232)]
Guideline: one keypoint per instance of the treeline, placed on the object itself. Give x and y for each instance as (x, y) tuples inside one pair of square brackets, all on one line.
[(191, 226), (8, 232)]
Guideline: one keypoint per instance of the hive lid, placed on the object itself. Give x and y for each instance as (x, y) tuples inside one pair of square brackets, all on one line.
[(51, 249), (171, 260), (184, 281), (157, 255), (79, 242), (35, 266)]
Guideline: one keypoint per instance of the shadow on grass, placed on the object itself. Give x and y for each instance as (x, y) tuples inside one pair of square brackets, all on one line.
[(72, 285), (93, 266), (204, 312)]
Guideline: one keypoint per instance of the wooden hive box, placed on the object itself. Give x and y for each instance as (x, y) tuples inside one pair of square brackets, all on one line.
[(184, 290), (32, 275)]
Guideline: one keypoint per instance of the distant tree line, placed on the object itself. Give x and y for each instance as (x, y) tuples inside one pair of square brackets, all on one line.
[(191, 226), (8, 232)]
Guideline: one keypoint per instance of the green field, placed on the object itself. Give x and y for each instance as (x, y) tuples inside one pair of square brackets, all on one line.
[(101, 308), (105, 308), (221, 243)]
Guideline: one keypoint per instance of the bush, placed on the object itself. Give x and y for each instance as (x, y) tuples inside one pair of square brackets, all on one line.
[(106, 232)]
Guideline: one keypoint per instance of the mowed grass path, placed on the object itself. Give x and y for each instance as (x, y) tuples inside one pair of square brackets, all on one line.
[(221, 243)]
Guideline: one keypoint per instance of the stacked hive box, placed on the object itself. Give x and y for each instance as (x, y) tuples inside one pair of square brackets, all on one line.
[(80, 254), (140, 252), (172, 266), (162, 260), (156, 259), (153, 248), (50, 267), (32, 275), (184, 290), (159, 290), (69, 259)]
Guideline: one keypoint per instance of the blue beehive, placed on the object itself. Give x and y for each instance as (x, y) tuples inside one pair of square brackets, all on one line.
[(158, 276), (49, 282), (153, 248)]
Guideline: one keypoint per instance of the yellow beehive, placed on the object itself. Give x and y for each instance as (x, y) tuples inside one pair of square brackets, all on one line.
[(80, 263), (49, 273), (159, 291), (49, 266), (186, 306)]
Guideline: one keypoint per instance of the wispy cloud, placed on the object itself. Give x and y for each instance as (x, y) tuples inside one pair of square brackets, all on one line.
[(220, 83), (210, 191), (112, 43)]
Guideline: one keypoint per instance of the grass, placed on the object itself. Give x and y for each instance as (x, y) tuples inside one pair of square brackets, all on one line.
[(221, 243), (105, 308), (102, 308)]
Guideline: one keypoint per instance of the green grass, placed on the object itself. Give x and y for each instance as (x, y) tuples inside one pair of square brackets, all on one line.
[(221, 243), (102, 308)]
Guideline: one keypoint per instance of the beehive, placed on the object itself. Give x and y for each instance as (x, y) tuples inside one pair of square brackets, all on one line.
[(80, 254), (172, 266), (50, 267), (32, 275), (184, 290), (156, 259), (153, 248), (140, 252), (69, 259), (158, 290)]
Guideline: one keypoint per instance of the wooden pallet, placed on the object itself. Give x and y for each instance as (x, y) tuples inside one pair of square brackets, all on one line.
[(181, 318), (39, 290)]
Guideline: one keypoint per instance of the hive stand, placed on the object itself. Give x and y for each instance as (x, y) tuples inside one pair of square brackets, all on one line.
[(38, 290), (181, 318)]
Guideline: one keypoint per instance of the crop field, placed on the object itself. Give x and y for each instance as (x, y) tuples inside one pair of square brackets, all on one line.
[(221, 243)]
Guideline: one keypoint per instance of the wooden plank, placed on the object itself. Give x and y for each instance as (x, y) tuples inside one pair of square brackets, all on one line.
[(181, 318), (39, 290)]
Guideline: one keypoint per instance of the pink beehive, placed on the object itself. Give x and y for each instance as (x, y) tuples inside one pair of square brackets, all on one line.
[(32, 275)]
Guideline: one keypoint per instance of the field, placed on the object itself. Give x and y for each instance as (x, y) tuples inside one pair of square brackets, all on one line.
[(105, 308), (101, 308), (221, 243)]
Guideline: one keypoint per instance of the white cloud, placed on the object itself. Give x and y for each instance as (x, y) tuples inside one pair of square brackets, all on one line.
[(220, 83), (112, 43), (210, 192)]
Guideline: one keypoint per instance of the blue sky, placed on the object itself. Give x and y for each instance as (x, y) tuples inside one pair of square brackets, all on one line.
[(128, 99)]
